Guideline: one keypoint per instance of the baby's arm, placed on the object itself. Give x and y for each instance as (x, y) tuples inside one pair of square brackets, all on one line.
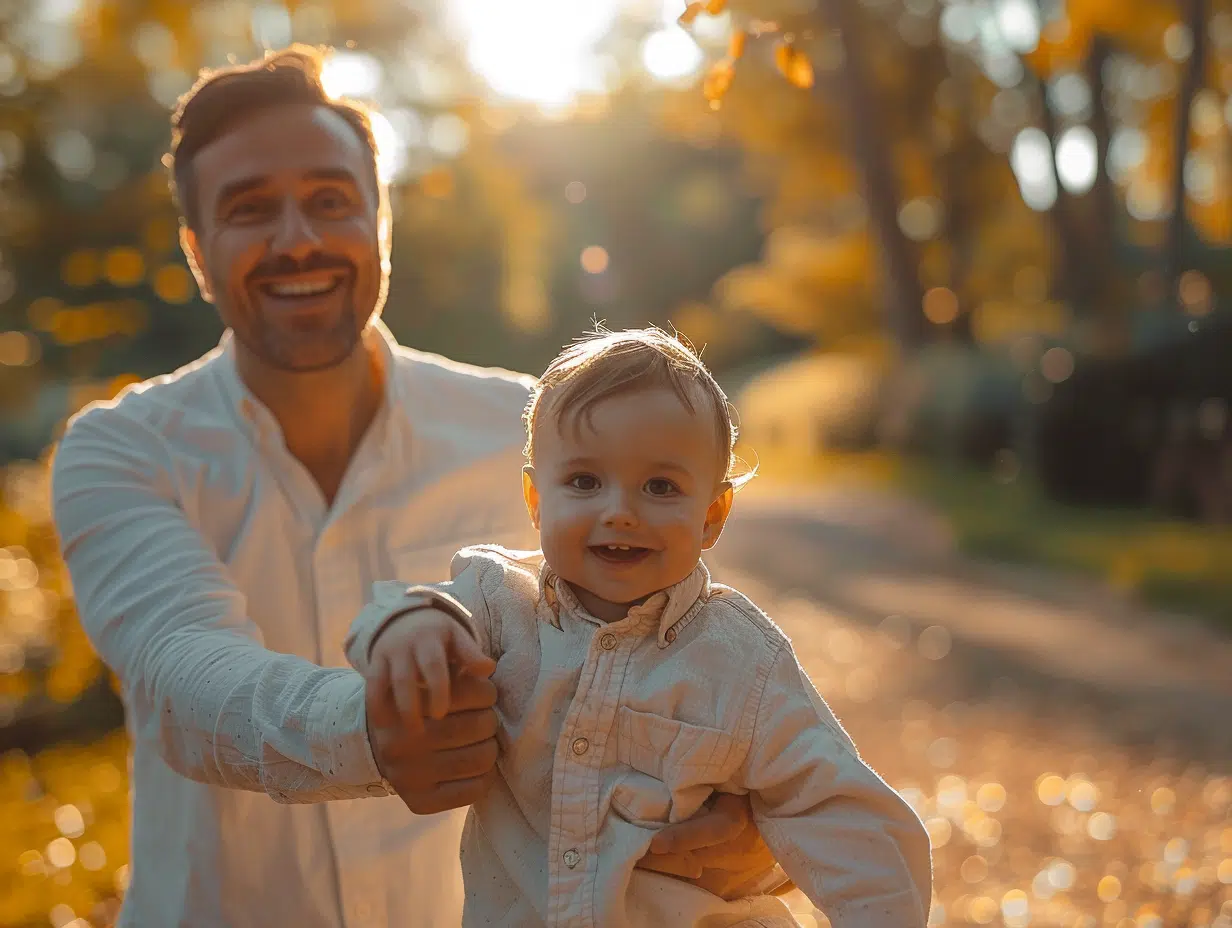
[(409, 641), (845, 838)]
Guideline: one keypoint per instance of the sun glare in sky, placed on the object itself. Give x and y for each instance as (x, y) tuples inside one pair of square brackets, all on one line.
[(539, 51), (547, 51)]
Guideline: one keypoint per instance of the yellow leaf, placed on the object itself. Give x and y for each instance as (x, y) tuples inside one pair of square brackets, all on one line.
[(793, 64), (736, 47), (690, 12), (783, 53), (718, 80), (715, 7), (801, 73)]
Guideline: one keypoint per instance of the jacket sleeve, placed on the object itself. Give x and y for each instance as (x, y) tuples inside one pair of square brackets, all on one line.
[(846, 839)]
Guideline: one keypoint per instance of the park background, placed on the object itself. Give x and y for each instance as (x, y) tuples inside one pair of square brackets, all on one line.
[(963, 266)]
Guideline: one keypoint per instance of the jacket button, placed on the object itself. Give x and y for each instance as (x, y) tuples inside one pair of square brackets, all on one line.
[(572, 857), (580, 746), (608, 641)]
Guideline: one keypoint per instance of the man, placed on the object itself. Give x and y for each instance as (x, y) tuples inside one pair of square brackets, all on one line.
[(222, 526)]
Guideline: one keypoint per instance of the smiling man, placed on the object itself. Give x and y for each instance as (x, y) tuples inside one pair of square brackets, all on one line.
[(221, 525)]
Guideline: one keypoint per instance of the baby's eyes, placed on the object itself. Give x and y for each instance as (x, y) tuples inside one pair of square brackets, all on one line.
[(584, 482), (655, 486), (661, 486)]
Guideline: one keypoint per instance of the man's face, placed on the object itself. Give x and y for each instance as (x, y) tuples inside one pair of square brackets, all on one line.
[(288, 244)]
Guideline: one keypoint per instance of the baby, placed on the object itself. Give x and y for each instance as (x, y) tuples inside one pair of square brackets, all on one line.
[(631, 686)]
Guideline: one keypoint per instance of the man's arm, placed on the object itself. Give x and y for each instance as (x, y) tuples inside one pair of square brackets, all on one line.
[(158, 605), (848, 840)]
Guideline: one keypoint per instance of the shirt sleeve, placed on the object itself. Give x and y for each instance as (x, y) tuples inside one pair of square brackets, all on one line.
[(848, 840), (158, 605), (461, 596)]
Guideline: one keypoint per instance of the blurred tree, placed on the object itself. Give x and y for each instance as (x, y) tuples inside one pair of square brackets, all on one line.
[(1070, 101)]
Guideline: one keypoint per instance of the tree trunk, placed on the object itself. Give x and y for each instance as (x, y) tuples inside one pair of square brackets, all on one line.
[(1107, 296), (1071, 282), (904, 310), (1191, 81)]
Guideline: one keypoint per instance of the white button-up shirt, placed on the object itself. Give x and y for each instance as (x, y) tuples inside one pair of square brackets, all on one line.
[(611, 732), (215, 581)]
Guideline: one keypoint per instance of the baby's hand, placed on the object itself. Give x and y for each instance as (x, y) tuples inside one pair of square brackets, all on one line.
[(413, 660)]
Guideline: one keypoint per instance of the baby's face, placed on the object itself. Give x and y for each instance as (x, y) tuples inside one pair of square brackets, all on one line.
[(627, 501)]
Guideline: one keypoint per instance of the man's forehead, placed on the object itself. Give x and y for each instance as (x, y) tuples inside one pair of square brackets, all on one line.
[(282, 140)]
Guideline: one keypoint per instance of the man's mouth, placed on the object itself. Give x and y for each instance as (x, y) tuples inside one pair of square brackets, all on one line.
[(619, 554), (301, 288)]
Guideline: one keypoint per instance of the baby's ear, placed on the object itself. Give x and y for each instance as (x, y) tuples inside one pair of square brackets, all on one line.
[(716, 515), (530, 494)]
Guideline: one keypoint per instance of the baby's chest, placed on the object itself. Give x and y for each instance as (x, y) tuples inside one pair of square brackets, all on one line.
[(645, 728)]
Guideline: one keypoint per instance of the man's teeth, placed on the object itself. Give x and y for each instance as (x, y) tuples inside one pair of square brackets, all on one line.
[(617, 547), (301, 288)]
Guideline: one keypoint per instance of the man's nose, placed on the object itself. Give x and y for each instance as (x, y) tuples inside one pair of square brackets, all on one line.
[(295, 234)]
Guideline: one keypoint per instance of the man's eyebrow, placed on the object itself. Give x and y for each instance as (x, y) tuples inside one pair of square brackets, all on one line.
[(247, 184), (239, 187), (340, 174)]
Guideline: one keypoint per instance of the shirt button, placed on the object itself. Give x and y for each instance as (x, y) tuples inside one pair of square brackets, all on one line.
[(608, 641), (670, 635), (580, 746), (572, 857)]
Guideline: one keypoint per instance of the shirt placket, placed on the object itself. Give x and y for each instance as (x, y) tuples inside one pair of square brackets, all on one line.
[(340, 593), (577, 780)]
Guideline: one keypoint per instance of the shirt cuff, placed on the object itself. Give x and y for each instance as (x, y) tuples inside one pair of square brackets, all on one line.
[(338, 733)]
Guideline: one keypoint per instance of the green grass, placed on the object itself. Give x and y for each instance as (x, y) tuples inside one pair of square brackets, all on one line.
[(1171, 564)]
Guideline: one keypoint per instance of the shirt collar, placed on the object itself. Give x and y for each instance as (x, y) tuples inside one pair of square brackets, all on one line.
[(668, 610), (254, 415)]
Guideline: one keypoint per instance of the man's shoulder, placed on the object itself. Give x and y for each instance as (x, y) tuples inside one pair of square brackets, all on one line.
[(152, 405), (483, 390)]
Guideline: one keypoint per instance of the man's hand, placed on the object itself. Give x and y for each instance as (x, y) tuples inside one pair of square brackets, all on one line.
[(719, 849), (442, 761)]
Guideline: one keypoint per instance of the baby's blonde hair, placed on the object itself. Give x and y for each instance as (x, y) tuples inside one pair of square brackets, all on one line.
[(601, 364)]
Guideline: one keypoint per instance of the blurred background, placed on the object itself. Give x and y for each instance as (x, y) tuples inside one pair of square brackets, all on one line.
[(963, 266)]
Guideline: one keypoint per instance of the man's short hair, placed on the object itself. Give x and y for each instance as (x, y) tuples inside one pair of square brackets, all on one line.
[(602, 364), (222, 97)]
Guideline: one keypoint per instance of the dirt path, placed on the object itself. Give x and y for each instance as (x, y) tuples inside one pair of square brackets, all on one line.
[(1070, 751)]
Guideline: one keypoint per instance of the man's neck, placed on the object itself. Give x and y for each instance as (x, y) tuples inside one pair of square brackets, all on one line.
[(323, 414)]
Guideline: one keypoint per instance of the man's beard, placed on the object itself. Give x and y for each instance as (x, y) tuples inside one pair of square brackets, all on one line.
[(307, 350)]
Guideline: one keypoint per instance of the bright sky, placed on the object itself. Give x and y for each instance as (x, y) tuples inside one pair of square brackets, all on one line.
[(545, 51)]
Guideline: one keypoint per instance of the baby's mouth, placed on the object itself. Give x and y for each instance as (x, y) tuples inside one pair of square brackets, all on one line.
[(619, 554)]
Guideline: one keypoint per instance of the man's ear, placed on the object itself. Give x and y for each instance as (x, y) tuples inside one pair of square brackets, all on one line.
[(716, 516), (192, 251), (530, 494)]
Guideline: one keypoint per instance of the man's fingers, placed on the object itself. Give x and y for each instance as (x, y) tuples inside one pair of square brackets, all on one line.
[(378, 697), (681, 865), (450, 795), (460, 729), (404, 679), (749, 852), (469, 657), (434, 671), (470, 692), (474, 760), (723, 822)]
